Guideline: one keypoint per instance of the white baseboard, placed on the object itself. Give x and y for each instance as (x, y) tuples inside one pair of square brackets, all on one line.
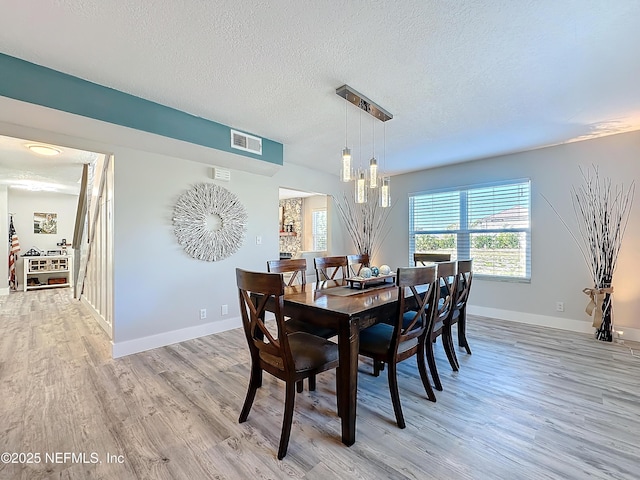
[(581, 326), (4, 291), (129, 347), (121, 349)]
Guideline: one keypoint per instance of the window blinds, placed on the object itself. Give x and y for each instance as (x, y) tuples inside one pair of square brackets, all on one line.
[(489, 223)]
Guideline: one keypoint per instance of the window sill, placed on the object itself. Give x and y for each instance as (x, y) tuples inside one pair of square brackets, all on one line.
[(496, 278)]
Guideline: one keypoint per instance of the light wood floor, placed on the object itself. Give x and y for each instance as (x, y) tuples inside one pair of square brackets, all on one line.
[(530, 403)]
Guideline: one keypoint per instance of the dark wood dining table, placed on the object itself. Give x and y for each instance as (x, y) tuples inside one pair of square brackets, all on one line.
[(335, 305)]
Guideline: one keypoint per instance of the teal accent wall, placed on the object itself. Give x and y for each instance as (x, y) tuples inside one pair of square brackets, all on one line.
[(28, 82)]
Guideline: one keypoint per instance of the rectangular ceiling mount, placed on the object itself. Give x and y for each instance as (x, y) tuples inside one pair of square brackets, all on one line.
[(362, 102), (246, 142)]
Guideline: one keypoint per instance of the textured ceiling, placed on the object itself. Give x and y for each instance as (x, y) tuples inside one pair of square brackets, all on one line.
[(463, 79), (21, 168)]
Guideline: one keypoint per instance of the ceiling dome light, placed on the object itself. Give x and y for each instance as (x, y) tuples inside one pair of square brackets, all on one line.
[(44, 150)]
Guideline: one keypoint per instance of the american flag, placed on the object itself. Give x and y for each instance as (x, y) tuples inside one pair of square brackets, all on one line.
[(13, 256)]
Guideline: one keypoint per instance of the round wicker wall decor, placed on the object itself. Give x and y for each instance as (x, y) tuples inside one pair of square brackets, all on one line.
[(210, 222)]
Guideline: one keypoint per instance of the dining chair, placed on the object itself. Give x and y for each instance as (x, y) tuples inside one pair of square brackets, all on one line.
[(330, 268), (446, 286), (298, 268), (406, 337), (459, 313), (289, 356), (356, 263), (420, 259)]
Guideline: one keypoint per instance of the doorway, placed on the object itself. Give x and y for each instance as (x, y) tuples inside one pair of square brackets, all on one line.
[(51, 194), (303, 224)]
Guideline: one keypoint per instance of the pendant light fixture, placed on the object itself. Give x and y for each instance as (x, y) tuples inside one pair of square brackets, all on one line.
[(373, 163), (371, 177), (346, 164), (361, 180), (385, 192), (361, 188), (345, 173), (385, 187)]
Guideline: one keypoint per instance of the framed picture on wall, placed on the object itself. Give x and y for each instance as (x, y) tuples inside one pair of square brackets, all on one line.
[(45, 223)]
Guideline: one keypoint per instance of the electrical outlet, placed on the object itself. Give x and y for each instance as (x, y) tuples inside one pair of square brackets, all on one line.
[(259, 240), (560, 306), (224, 310), (203, 313)]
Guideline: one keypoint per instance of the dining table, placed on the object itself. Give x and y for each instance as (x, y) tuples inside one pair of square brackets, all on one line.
[(334, 304)]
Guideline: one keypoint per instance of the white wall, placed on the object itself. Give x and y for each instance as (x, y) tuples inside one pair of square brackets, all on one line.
[(4, 246), (23, 204), (558, 270), (158, 287)]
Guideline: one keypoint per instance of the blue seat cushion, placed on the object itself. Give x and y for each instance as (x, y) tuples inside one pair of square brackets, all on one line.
[(377, 339)]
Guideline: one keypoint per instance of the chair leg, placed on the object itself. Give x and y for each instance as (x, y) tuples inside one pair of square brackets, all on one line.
[(395, 394), (312, 383), (462, 331), (422, 368), (378, 366), (299, 386), (287, 419), (447, 344), (338, 391), (254, 383), (432, 365)]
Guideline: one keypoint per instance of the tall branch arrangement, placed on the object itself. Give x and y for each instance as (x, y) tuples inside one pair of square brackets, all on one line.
[(364, 222), (602, 211)]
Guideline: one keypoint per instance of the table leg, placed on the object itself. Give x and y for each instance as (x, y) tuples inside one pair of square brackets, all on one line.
[(348, 344)]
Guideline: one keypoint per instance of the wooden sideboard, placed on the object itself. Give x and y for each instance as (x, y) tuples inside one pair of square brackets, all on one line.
[(47, 271)]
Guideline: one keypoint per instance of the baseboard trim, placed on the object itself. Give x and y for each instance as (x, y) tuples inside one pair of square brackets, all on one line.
[(138, 345), (581, 326), (4, 291), (129, 347)]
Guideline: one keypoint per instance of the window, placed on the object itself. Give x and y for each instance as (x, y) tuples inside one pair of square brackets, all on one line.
[(319, 229), (489, 223)]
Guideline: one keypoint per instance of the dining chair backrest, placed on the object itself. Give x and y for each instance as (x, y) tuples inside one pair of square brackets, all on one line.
[(419, 305), (447, 281), (330, 268), (463, 284), (268, 347), (424, 258), (296, 267), (357, 262)]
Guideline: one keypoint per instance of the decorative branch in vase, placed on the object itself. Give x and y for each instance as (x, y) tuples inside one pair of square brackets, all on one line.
[(602, 213), (364, 222)]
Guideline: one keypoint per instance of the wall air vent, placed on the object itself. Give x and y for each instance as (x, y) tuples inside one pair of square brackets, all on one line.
[(221, 174), (245, 142)]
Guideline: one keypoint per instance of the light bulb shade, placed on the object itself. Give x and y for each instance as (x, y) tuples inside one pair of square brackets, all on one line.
[(361, 188), (345, 174), (385, 192), (44, 150), (373, 173)]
